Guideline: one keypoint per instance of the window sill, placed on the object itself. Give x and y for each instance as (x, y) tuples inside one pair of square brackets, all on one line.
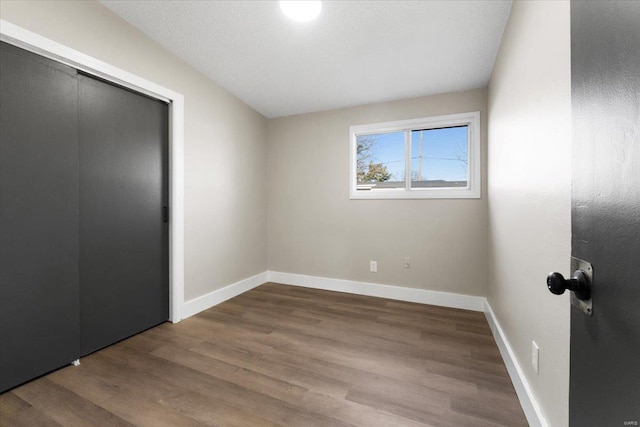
[(401, 193)]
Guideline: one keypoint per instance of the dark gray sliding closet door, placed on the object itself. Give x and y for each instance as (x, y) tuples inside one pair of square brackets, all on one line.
[(39, 327), (83, 236), (123, 234)]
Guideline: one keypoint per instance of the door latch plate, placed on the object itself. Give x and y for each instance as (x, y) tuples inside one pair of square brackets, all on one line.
[(586, 306)]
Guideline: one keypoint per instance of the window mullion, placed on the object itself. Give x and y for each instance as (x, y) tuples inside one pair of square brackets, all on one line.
[(470, 154), (407, 155)]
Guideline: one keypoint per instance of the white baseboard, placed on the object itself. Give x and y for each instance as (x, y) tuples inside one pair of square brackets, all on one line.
[(445, 299), (216, 297), (523, 390)]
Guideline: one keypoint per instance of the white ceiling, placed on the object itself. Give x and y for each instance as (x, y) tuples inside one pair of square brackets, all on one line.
[(356, 52)]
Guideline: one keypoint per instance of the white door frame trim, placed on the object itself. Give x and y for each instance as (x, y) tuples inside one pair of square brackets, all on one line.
[(43, 46)]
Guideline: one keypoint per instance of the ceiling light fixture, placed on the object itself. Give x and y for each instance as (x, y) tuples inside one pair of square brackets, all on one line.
[(301, 11)]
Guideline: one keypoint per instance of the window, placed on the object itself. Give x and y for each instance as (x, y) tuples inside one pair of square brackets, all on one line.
[(429, 158)]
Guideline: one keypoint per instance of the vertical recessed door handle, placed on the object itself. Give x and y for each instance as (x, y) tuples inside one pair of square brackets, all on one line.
[(165, 214)]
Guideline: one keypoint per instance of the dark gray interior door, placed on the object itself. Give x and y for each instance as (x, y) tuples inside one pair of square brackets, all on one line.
[(39, 327), (605, 348), (123, 234)]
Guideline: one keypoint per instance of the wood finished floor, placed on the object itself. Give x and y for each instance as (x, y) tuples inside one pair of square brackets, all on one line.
[(284, 355)]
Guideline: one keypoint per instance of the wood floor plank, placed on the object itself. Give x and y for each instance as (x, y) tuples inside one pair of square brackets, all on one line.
[(140, 410), (315, 401), (201, 407), (510, 416), (246, 399), (65, 406), (10, 404), (92, 387), (282, 355), (274, 365), (333, 377), (282, 389), (28, 418)]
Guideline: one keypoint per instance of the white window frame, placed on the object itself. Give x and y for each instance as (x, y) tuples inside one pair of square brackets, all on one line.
[(471, 191)]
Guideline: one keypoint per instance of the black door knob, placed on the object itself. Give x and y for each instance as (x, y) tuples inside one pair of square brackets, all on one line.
[(579, 284)]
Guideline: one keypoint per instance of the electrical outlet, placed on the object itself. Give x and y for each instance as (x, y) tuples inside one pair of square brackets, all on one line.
[(373, 266), (407, 262), (535, 356)]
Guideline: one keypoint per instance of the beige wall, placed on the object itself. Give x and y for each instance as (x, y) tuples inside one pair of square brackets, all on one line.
[(225, 142), (315, 229), (530, 194)]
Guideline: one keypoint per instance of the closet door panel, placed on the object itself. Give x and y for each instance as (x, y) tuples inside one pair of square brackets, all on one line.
[(39, 321), (123, 236)]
